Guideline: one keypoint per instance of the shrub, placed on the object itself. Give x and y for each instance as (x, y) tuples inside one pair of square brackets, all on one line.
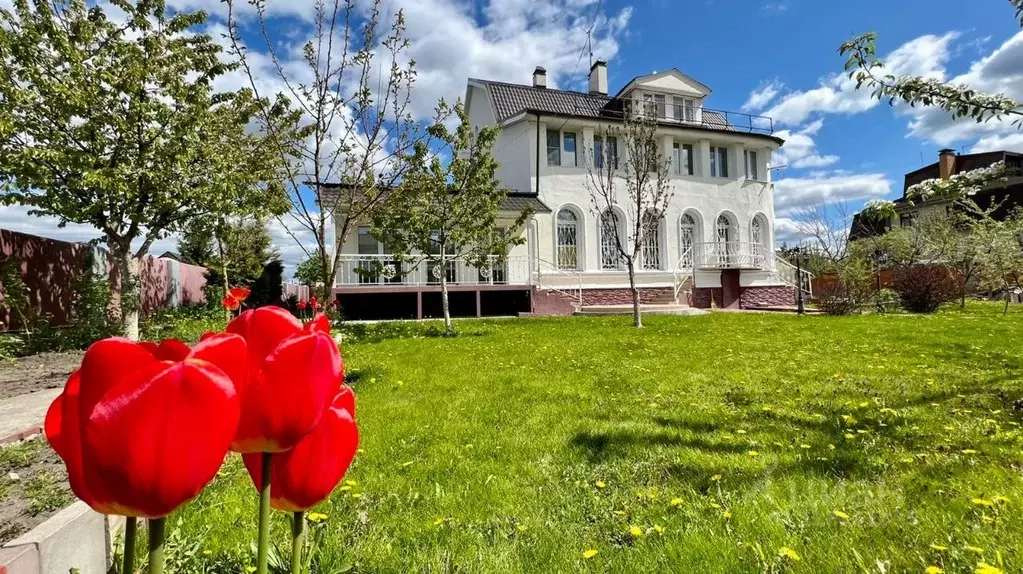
[(887, 301), (845, 289), (923, 288)]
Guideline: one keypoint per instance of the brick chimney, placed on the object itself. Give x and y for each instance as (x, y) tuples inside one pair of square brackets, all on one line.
[(946, 163), (539, 77), (598, 78)]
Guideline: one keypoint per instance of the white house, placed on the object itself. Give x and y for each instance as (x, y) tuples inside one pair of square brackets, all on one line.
[(715, 242)]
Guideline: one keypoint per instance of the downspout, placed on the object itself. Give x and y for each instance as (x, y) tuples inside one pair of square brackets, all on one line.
[(536, 246)]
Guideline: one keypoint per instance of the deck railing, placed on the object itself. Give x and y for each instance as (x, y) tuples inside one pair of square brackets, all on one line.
[(388, 271)]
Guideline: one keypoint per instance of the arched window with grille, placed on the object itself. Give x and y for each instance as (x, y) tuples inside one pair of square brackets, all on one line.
[(611, 231), (651, 241), (687, 240), (568, 239), (760, 237), (725, 240)]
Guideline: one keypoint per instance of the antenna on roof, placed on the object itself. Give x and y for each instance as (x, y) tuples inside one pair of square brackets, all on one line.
[(589, 45)]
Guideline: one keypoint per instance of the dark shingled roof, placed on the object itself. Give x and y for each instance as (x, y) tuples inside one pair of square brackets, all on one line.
[(519, 202), (510, 100)]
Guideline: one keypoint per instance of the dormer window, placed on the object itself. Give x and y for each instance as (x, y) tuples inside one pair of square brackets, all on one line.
[(684, 108)]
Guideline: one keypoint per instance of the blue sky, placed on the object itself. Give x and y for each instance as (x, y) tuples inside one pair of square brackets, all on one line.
[(772, 57)]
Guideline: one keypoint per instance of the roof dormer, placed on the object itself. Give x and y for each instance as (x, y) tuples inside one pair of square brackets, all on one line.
[(671, 82)]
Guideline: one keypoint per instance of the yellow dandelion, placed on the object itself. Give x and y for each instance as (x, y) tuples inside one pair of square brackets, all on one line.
[(753, 453), (804, 446), (1000, 499), (601, 484), (345, 487), (351, 483), (740, 431), (658, 529), (985, 568), (933, 570), (356, 496), (849, 435), (715, 505), (726, 515), (987, 519), (975, 549), (316, 517), (939, 547), (716, 478), (522, 528), (983, 502), (864, 404), (840, 514), (676, 502), (968, 451), (589, 554), (635, 531), (786, 552), (766, 409)]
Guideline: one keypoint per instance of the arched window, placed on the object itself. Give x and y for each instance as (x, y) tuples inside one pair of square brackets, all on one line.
[(759, 236), (610, 234), (687, 240), (651, 241), (568, 239), (725, 240)]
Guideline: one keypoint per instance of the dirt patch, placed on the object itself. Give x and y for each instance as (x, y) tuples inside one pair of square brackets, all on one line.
[(33, 486), (36, 372)]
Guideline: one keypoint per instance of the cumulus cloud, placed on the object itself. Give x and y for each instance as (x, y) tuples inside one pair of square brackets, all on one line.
[(800, 149), (1010, 142), (763, 95), (792, 194), (837, 93)]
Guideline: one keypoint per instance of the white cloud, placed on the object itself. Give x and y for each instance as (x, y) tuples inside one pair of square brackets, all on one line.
[(837, 93), (791, 194), (763, 95), (1000, 72), (800, 149), (1010, 142)]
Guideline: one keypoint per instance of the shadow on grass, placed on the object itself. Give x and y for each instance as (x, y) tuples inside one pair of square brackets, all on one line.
[(364, 333)]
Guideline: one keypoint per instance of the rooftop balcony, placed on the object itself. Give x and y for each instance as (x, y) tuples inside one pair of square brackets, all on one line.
[(708, 118)]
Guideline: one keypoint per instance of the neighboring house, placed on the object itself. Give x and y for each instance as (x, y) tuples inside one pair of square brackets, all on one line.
[(716, 241), (1008, 192)]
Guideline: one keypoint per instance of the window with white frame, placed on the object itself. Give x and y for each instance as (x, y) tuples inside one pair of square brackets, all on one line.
[(568, 239), (659, 104), (750, 158), (683, 158), (651, 241), (718, 161), (553, 147), (685, 109), (610, 232), (569, 156), (687, 239), (725, 237), (758, 235), (604, 150)]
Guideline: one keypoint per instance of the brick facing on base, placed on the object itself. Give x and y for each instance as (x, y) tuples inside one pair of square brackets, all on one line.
[(749, 297), (622, 296)]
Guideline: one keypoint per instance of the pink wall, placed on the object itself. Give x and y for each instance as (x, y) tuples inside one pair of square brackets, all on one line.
[(50, 269)]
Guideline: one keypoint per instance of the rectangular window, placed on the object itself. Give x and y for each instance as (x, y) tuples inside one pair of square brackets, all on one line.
[(570, 155), (600, 153), (685, 109), (659, 102), (648, 104), (751, 164), (718, 161), (553, 147), (683, 159), (368, 245)]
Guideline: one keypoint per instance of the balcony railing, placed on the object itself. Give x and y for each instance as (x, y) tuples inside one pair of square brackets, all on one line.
[(732, 255), (708, 118), (387, 271)]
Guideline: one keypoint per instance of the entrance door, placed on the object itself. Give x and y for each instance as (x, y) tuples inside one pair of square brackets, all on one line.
[(730, 289)]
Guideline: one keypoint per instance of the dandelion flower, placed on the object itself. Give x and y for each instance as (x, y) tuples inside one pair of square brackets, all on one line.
[(933, 570), (939, 547), (983, 502), (985, 568), (804, 446), (601, 484), (658, 529), (968, 451), (841, 514), (345, 487), (726, 515), (315, 517), (789, 553), (522, 528), (753, 453), (589, 554), (1000, 499), (635, 531), (740, 431), (676, 502), (716, 478), (715, 505)]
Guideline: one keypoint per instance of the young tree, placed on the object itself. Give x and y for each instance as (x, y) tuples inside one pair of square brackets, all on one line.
[(356, 124), (638, 185), (309, 270), (116, 125), (234, 251), (1001, 266), (446, 209)]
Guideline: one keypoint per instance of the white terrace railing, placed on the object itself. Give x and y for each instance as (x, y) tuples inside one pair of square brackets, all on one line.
[(738, 255), (387, 271)]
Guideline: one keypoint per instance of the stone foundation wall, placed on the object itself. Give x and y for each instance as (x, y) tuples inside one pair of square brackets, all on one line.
[(776, 296), (624, 296), (552, 304), (702, 297)]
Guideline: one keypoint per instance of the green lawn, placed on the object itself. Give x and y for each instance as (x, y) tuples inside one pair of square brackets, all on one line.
[(697, 444)]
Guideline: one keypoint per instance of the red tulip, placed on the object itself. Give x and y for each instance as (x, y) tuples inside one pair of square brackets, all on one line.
[(301, 305), (239, 293), (230, 303), (305, 475), (141, 435), (293, 374)]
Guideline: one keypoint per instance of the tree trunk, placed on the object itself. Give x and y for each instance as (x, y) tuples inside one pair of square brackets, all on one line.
[(448, 330), (126, 290), (1008, 294), (223, 270), (637, 317)]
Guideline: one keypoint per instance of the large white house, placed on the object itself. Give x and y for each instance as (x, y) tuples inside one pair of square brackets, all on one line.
[(715, 244)]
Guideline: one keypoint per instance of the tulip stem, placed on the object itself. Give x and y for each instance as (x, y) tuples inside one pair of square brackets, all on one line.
[(264, 516), (156, 545), (297, 541), (130, 527)]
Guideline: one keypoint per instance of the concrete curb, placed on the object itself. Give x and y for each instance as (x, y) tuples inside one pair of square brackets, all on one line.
[(20, 436), (76, 538)]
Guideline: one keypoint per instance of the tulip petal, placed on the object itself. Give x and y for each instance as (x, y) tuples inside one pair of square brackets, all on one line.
[(160, 436), (319, 323), (105, 364), (305, 475), (289, 393), (168, 349), (264, 329), (345, 399), (227, 352)]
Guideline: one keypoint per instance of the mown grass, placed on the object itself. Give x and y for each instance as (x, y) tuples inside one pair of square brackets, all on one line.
[(697, 444)]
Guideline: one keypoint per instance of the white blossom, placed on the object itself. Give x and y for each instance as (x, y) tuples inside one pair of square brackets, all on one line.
[(959, 186)]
